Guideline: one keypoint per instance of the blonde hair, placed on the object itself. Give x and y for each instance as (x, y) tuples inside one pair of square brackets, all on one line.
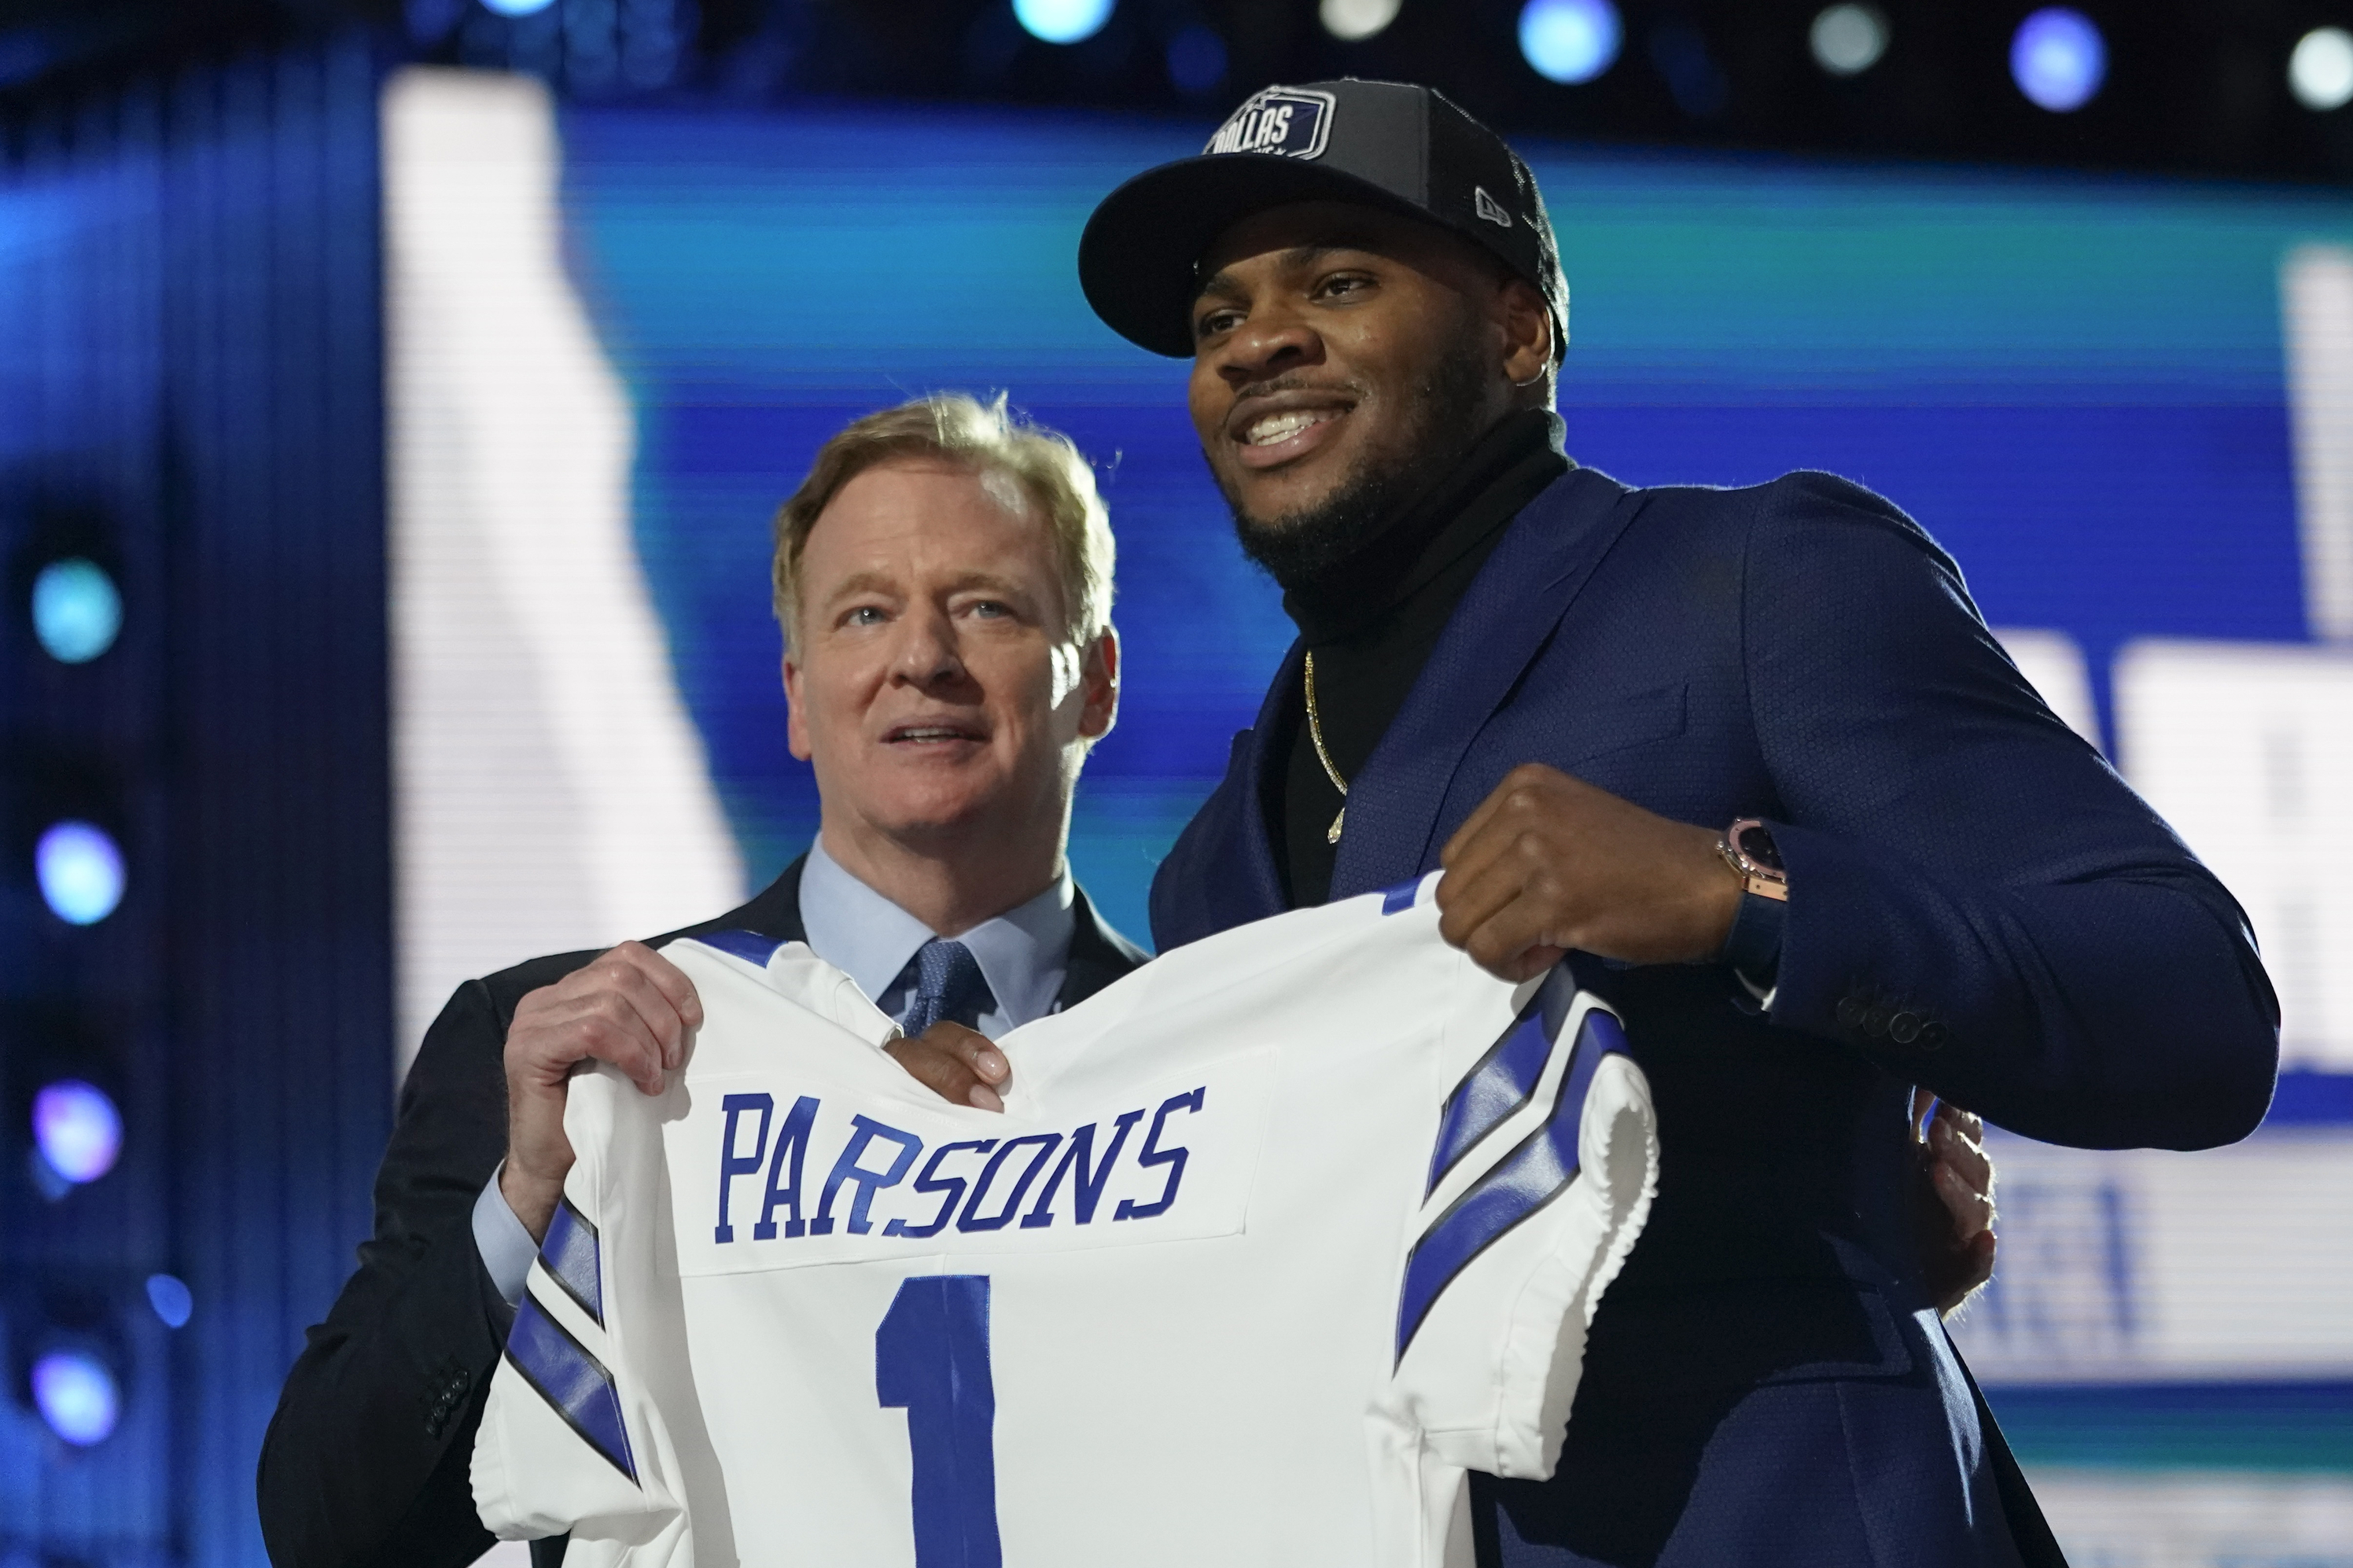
[(1000, 447)]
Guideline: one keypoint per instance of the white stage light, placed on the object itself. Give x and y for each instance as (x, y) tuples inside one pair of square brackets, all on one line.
[(80, 870), (2059, 59), (2320, 72), (77, 1395), (1354, 19), (76, 1129), (1569, 40), (1849, 39), (1063, 21)]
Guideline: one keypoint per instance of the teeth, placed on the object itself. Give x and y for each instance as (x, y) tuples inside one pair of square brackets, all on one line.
[(1279, 427), (930, 735)]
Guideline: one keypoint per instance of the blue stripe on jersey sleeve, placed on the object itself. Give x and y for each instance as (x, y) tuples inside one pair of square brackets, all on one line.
[(1501, 1080), (570, 1256), (748, 945), (562, 1371), (1526, 1179), (1397, 899)]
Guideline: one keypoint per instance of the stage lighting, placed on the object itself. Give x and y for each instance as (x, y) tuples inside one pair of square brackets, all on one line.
[(2320, 71), (518, 7), (1197, 59), (2058, 59), (80, 872), (169, 1295), (76, 1130), (1849, 39), (1063, 21), (1569, 40), (76, 610), (77, 1395), (1350, 20)]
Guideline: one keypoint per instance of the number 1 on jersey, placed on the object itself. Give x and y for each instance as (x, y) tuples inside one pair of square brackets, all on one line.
[(931, 1359)]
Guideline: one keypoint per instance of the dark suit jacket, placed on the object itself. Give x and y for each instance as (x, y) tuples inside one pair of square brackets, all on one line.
[(1978, 904), (368, 1460)]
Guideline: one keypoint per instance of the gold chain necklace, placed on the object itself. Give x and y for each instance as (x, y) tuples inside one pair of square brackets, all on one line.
[(1315, 734)]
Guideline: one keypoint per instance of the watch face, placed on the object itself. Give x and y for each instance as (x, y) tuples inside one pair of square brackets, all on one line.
[(1758, 844)]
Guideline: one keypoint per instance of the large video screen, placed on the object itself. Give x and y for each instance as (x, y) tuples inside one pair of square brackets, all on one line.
[(2125, 406)]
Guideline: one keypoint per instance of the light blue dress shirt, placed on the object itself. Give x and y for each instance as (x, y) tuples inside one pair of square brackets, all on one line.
[(1023, 954)]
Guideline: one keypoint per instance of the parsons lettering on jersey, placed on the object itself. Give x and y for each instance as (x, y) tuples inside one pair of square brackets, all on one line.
[(1291, 121), (978, 1184)]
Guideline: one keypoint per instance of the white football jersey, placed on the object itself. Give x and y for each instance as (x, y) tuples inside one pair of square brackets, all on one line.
[(1275, 1239)]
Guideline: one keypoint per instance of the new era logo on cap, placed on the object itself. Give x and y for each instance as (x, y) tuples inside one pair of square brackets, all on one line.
[(1291, 121), (1490, 208)]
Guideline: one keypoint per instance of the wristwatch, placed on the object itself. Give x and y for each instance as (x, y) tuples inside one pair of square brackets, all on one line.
[(1747, 847)]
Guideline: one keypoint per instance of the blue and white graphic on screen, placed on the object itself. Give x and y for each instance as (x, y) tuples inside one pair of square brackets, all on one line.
[(1312, 1190)]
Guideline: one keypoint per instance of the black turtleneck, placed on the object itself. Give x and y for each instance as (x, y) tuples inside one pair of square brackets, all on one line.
[(1372, 620)]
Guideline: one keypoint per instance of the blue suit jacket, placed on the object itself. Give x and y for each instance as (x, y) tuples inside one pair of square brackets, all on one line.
[(1766, 1382)]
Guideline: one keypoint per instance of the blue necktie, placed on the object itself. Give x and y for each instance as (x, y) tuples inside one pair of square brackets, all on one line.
[(948, 984)]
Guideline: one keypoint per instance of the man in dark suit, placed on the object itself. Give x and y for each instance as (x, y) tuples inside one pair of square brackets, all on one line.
[(1753, 748), (944, 577)]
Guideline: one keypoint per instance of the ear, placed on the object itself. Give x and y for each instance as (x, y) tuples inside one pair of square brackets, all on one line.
[(1527, 332), (1099, 680), (797, 737)]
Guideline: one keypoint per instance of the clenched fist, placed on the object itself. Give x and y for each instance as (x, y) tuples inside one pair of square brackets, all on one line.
[(1548, 863)]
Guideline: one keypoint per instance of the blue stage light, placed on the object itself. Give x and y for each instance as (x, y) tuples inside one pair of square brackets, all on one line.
[(77, 1395), (169, 1295), (80, 872), (1063, 21), (518, 7), (1197, 59), (1569, 40), (77, 1129), (77, 610), (2058, 59)]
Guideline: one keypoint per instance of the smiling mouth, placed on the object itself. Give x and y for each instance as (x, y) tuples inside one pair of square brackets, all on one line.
[(928, 735), (1269, 429)]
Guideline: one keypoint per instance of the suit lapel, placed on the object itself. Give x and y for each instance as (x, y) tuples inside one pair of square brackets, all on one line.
[(774, 912), (1098, 955), (1510, 611), (1262, 882)]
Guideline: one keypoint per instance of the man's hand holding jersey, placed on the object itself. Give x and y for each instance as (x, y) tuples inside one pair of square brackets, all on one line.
[(1549, 862), (631, 1008)]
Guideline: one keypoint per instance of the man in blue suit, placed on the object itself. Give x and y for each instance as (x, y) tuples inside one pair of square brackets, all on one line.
[(1754, 750)]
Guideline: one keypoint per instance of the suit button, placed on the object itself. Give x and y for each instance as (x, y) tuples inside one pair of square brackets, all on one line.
[(1903, 1028), (1850, 1012), (1933, 1036), (1875, 1023)]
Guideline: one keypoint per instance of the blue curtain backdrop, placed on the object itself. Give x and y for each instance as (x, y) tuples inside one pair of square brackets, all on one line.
[(189, 377)]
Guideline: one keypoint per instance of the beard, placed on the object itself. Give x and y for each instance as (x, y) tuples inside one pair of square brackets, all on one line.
[(1443, 421)]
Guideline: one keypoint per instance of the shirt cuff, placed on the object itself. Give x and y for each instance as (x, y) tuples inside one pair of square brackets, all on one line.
[(506, 1247), (1754, 947)]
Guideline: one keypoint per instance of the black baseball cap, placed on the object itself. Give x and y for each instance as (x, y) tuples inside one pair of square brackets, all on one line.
[(1383, 143)]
